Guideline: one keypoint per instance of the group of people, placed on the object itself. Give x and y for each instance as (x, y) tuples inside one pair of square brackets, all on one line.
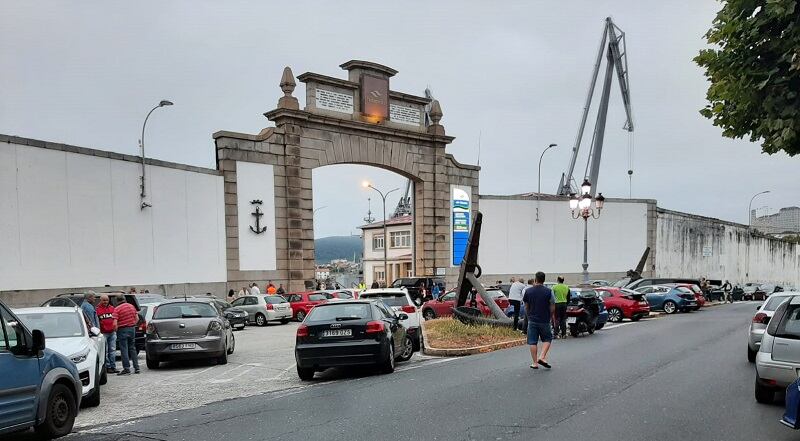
[(118, 325), (545, 313), (254, 290)]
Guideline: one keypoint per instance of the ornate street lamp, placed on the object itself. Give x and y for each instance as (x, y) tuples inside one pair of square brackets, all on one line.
[(581, 208)]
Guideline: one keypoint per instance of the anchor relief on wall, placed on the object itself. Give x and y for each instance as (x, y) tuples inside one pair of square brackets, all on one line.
[(257, 214)]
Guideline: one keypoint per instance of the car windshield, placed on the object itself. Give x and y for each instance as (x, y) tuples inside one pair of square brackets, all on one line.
[(339, 312), (184, 310), (621, 282), (274, 300), (54, 325), (774, 302), (391, 299), (317, 297)]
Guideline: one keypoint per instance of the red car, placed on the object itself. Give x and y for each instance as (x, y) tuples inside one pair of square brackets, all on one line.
[(302, 302), (622, 303), (442, 308), (698, 294)]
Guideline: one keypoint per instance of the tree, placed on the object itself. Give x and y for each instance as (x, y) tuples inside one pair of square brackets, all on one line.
[(754, 72)]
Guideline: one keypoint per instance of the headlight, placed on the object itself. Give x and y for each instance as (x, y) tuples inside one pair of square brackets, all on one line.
[(79, 357)]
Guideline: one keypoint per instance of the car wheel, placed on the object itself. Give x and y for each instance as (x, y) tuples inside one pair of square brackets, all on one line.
[(751, 355), (60, 413), (152, 363), (599, 326), (615, 315), (301, 315), (408, 349), (573, 331), (103, 373), (233, 344), (590, 330), (223, 359), (387, 367), (670, 307), (93, 399), (284, 321), (428, 314), (261, 320), (764, 395), (305, 374), (635, 318)]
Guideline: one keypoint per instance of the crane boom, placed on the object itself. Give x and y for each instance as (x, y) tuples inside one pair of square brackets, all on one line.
[(616, 59)]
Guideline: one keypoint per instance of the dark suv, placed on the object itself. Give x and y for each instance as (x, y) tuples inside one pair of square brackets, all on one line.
[(415, 284)]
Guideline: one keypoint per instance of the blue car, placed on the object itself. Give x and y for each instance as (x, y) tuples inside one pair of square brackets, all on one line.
[(669, 299), (601, 319), (44, 392)]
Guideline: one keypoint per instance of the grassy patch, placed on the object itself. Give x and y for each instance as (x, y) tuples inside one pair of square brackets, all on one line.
[(449, 333)]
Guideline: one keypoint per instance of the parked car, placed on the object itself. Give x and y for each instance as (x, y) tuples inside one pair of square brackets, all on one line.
[(351, 332), (778, 357), (188, 329), (623, 303), (670, 299), (236, 316), (415, 286), (400, 301), (302, 302), (626, 283), (331, 294), (44, 392), (262, 309), (346, 293), (599, 283), (758, 325), (443, 306), (699, 297), (69, 333)]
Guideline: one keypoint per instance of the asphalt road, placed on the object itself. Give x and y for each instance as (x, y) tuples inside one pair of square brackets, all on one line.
[(684, 377)]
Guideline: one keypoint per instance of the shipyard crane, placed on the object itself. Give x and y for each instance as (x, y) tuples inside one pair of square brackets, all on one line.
[(612, 45)]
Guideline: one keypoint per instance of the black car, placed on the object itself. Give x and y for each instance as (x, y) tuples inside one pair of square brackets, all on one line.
[(348, 333), (415, 286)]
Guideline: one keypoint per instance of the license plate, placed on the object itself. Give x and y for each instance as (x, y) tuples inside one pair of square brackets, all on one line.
[(337, 333), (182, 346), (572, 320)]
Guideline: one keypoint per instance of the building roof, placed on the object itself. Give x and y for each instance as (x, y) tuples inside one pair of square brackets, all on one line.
[(400, 220)]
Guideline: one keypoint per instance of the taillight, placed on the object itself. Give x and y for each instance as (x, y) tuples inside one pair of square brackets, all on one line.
[(151, 329), (143, 326), (214, 326), (761, 318), (269, 307), (375, 327), (302, 331), (409, 309)]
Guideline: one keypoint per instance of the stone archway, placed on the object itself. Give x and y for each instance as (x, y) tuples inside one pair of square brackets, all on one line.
[(354, 121)]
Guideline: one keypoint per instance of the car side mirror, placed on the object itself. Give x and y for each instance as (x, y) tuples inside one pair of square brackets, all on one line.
[(37, 345), (758, 307), (402, 316), (94, 332)]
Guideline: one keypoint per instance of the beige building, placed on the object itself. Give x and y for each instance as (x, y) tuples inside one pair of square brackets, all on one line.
[(399, 255)]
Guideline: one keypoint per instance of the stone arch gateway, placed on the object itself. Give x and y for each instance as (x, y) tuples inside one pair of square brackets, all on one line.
[(268, 180)]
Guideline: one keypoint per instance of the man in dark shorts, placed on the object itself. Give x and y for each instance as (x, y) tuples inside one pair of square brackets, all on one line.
[(539, 307)]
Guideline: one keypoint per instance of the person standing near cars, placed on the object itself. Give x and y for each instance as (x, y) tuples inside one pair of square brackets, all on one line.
[(88, 308), (726, 288), (435, 292), (127, 317), (515, 297), (107, 317), (561, 293), (280, 290), (539, 306), (271, 288), (254, 290)]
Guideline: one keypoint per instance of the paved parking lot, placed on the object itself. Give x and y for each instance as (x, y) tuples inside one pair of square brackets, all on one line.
[(262, 362)]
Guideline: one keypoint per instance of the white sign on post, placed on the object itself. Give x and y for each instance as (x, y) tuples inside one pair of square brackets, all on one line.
[(707, 251)]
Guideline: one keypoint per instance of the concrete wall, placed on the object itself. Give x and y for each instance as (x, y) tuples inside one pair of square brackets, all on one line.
[(696, 246), (514, 243), (70, 217)]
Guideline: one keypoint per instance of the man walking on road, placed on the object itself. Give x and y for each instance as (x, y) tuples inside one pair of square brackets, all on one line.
[(515, 298), (127, 317), (108, 326), (561, 293), (539, 306)]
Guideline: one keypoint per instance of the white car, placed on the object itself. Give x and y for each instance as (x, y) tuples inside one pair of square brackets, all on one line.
[(760, 321), (68, 332), (399, 300), (778, 357)]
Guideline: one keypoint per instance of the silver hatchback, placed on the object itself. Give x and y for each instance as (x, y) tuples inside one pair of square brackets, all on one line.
[(265, 308), (778, 357), (760, 321)]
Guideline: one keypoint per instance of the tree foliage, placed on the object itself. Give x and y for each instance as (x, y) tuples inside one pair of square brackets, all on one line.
[(754, 70)]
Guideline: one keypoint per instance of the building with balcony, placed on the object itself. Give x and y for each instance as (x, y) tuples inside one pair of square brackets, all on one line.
[(399, 255)]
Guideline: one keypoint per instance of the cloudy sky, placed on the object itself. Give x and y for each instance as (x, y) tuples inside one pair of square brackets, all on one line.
[(513, 74)]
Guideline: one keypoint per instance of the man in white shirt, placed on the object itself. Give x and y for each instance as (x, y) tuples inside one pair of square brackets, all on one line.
[(515, 297), (254, 290)]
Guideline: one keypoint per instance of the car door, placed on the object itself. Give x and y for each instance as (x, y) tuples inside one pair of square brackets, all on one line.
[(650, 295), (393, 322), (18, 392), (444, 307)]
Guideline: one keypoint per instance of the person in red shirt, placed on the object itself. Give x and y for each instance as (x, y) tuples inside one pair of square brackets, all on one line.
[(127, 317), (108, 326)]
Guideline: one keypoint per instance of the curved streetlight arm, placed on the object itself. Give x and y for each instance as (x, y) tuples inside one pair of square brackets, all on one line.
[(750, 206), (539, 186), (141, 145)]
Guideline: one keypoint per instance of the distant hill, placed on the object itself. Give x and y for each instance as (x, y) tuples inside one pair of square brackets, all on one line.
[(337, 247)]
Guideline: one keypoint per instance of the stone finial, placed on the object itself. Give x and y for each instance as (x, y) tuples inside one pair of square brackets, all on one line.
[(436, 115), (288, 84)]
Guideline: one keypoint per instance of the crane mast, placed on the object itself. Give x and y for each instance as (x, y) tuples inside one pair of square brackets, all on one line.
[(612, 45)]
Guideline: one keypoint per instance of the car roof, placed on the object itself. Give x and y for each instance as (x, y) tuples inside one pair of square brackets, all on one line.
[(385, 291), (189, 300), (346, 301), (45, 309)]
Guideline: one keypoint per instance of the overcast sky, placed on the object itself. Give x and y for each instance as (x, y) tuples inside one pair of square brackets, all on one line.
[(514, 74)]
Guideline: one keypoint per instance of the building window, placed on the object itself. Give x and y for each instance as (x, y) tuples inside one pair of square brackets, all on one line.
[(377, 242), (380, 275), (400, 239)]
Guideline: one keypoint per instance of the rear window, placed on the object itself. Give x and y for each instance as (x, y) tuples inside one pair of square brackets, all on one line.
[(774, 301), (684, 290), (143, 310), (317, 297), (274, 299), (389, 299), (789, 326), (340, 312), (184, 310), (495, 294)]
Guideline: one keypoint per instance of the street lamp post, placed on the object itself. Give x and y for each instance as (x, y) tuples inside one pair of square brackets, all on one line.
[(750, 207), (141, 145), (366, 184), (539, 187), (582, 208)]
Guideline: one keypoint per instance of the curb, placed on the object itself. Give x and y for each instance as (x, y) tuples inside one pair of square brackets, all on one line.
[(459, 352)]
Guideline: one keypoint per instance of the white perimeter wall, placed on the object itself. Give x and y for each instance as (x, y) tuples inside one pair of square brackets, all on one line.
[(512, 242), (73, 220)]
